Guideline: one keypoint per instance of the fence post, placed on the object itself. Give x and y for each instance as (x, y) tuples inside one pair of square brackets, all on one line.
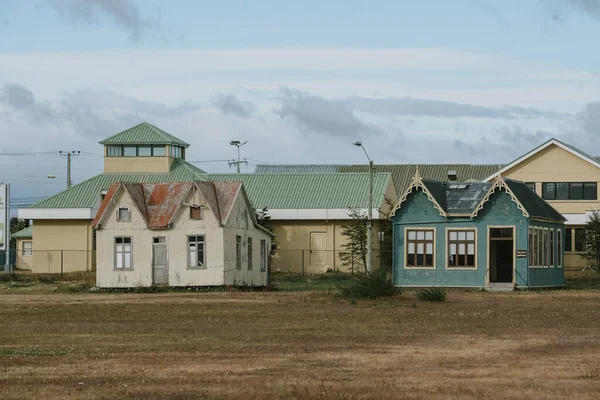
[(302, 261), (61, 263)]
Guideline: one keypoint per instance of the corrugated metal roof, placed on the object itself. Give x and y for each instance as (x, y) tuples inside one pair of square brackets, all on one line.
[(144, 133), (23, 233), (467, 198), (402, 174), (86, 194), (309, 191), (297, 169)]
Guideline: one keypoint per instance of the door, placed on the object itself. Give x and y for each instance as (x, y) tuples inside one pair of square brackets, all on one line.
[(502, 255), (317, 248), (160, 268)]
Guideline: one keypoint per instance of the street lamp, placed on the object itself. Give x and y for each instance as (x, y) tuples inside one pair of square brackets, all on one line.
[(369, 211), (237, 144)]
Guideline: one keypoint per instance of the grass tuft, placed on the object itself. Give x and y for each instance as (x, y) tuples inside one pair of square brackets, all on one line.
[(432, 294), (370, 286)]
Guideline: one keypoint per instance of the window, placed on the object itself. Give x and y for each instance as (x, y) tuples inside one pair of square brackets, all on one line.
[(461, 249), (145, 151), (249, 254), (559, 248), (501, 233), (263, 255), (27, 248), (123, 253), (544, 247), (196, 253), (534, 248), (238, 252), (114, 151), (123, 214), (196, 213), (129, 151), (579, 239), (569, 191), (568, 239), (531, 185), (159, 151), (419, 249), (531, 248), (551, 248), (159, 240), (176, 151)]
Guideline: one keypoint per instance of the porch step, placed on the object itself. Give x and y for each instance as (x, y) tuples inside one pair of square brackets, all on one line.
[(500, 287)]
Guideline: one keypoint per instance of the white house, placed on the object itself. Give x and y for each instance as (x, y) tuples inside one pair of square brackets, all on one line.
[(198, 233)]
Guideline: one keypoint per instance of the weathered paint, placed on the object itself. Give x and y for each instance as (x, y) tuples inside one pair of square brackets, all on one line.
[(499, 211)]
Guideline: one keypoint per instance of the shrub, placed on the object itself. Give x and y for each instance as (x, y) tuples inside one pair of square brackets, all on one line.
[(370, 286), (432, 294), (79, 287)]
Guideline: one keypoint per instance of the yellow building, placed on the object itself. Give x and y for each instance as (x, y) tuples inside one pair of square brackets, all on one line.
[(567, 178), (24, 253)]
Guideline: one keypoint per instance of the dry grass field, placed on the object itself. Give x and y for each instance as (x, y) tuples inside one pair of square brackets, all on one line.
[(299, 345)]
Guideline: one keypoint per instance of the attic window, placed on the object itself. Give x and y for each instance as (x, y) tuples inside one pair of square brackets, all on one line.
[(458, 186), (452, 175), (123, 214), (195, 213)]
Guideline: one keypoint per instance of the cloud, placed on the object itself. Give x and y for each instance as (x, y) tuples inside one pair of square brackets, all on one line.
[(590, 7), (318, 115), (231, 105), (17, 96), (590, 118), (123, 13)]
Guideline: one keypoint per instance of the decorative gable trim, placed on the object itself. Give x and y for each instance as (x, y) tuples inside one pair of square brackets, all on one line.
[(537, 150), (499, 185), (417, 183)]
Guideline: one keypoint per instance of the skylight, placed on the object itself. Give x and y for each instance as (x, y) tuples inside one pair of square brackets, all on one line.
[(458, 186)]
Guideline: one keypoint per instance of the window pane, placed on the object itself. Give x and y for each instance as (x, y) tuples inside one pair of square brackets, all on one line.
[(548, 191), (559, 247), (531, 185), (470, 261), (576, 191), (471, 249), (568, 239), (461, 260), (453, 235), (429, 248), (562, 191), (411, 248), (412, 235), (429, 260), (192, 255), (461, 248), (470, 235), (200, 254), (410, 259), (579, 239), (118, 240), (462, 235), (420, 259), (530, 247), (453, 248), (590, 191), (129, 151), (551, 248), (420, 248), (123, 214), (159, 151), (145, 151), (127, 260), (420, 235), (428, 235)]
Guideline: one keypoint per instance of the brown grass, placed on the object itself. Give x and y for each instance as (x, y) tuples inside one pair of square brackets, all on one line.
[(527, 345)]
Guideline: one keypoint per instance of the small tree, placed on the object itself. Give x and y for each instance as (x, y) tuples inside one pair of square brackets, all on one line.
[(385, 229), (592, 241), (15, 226), (355, 249)]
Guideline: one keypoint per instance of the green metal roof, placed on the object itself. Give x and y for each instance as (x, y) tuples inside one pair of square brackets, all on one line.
[(310, 191), (26, 233), (297, 169), (144, 133), (86, 194)]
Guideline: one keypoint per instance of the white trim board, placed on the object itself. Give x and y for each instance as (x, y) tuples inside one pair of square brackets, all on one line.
[(57, 213), (537, 150)]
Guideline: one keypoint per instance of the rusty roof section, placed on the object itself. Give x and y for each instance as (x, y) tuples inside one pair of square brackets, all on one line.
[(162, 201)]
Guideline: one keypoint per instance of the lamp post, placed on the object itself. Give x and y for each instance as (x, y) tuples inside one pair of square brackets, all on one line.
[(237, 144), (369, 211)]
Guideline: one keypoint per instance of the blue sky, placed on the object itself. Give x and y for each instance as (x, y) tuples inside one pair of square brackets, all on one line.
[(476, 81)]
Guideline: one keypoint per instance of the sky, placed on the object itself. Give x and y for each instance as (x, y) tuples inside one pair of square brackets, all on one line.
[(429, 81)]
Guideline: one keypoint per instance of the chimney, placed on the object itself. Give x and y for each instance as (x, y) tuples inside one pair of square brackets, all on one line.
[(452, 175)]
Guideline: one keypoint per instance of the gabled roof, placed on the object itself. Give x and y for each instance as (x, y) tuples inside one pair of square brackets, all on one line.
[(220, 197), (567, 147), (402, 174), (144, 133), (310, 191), (535, 206), (87, 193), (26, 233)]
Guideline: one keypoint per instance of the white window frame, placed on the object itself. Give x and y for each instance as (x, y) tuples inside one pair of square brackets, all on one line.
[(196, 249), (551, 247), (425, 229), (559, 255), (123, 253), (238, 252), (447, 236), (128, 214), (24, 251), (249, 251), (263, 255)]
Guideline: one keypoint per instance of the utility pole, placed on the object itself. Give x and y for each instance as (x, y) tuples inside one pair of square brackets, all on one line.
[(69, 155), (237, 163)]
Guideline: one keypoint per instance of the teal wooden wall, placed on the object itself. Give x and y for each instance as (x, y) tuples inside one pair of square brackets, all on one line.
[(500, 210), (549, 276)]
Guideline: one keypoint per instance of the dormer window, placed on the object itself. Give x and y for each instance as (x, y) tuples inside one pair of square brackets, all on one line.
[(123, 214), (195, 213), (136, 151), (176, 151)]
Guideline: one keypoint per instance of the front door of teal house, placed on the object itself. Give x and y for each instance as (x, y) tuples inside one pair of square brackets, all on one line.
[(501, 251)]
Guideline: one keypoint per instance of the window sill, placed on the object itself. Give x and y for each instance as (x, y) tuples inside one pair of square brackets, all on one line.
[(123, 269), (196, 268), (405, 267), (461, 268)]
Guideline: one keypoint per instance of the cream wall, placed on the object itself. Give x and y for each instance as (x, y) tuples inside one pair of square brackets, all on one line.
[(240, 223), (72, 238), (141, 275), (23, 262), (137, 164)]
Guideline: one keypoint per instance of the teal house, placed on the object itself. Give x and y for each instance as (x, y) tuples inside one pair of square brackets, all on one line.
[(495, 235)]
